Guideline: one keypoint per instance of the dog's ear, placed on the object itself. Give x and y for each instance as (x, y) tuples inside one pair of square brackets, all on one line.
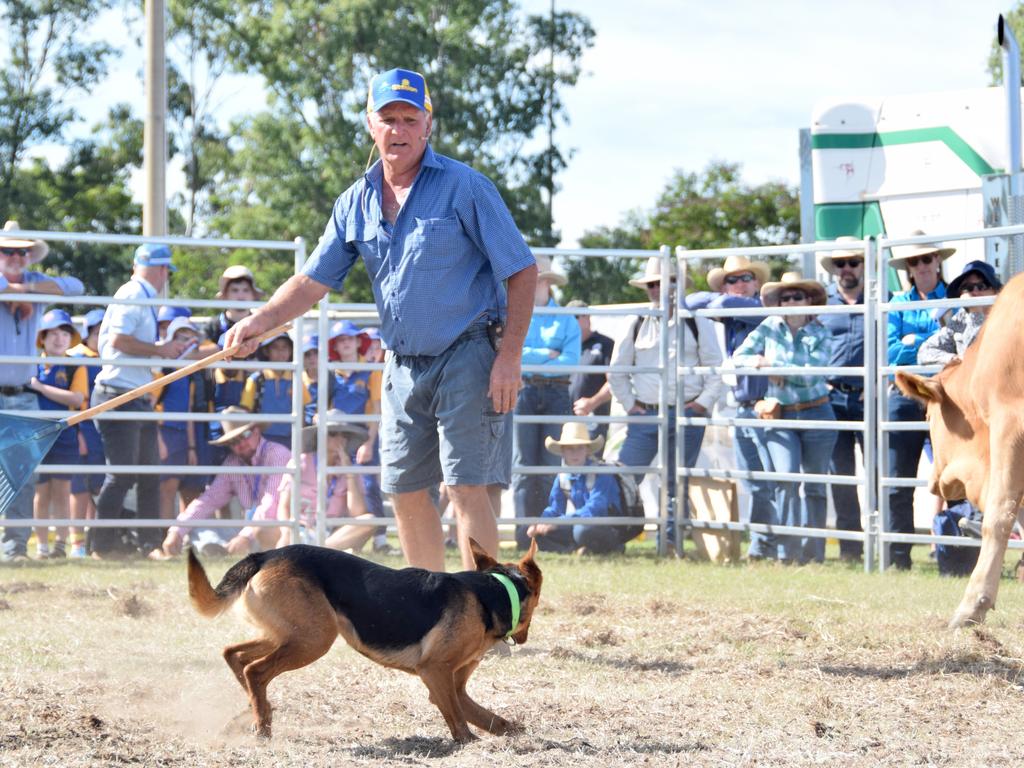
[(529, 568), (480, 557)]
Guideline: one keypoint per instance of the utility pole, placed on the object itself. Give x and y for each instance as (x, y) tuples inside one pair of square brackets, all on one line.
[(154, 147), (551, 125)]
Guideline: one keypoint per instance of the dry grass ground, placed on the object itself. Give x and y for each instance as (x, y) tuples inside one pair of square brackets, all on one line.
[(630, 662)]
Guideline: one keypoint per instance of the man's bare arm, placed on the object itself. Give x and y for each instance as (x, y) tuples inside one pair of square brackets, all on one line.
[(506, 373)]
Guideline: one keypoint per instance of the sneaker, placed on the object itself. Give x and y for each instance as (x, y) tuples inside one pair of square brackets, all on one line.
[(970, 527), (78, 552), (58, 552), (213, 549), (385, 549)]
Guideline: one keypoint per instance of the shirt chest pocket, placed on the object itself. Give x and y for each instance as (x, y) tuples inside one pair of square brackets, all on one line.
[(362, 235), (436, 244)]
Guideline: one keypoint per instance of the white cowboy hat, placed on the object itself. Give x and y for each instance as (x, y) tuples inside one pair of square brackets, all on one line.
[(335, 426), (574, 433), (544, 272), (177, 324), (38, 249), (237, 272), (901, 253), (735, 265), (652, 272), (233, 429), (826, 257), (770, 291)]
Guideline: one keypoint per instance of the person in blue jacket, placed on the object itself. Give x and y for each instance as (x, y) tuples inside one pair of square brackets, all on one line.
[(907, 331), (578, 495)]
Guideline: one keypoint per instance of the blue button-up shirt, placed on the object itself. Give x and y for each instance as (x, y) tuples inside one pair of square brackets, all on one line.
[(440, 267), (747, 388), (919, 322), (18, 335), (552, 332), (847, 338), (592, 495)]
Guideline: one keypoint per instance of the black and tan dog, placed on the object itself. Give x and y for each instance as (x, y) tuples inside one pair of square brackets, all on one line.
[(435, 625)]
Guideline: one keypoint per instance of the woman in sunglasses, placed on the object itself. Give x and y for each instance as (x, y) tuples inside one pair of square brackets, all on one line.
[(794, 341), (961, 326), (908, 329)]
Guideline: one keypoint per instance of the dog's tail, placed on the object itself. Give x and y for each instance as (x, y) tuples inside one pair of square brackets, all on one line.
[(207, 600)]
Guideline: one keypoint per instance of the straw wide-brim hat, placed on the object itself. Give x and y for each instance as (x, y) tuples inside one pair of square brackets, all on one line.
[(234, 429), (335, 426), (770, 291), (38, 248), (737, 265), (652, 272), (901, 253), (545, 272), (237, 272), (825, 260), (574, 433)]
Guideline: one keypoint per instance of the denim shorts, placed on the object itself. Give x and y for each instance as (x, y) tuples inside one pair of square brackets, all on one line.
[(437, 422)]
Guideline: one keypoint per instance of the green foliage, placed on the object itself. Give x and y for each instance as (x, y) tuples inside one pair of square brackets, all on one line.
[(599, 280)]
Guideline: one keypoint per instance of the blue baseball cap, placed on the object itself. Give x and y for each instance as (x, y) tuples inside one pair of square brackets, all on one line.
[(984, 269), (93, 318), (154, 255), (57, 318), (165, 314), (310, 342), (398, 85), (344, 328), (371, 333)]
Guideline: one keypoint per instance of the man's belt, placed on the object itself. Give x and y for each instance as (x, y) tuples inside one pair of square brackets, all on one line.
[(8, 391), (804, 406), (546, 381), (848, 388)]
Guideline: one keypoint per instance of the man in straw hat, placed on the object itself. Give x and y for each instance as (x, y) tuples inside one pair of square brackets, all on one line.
[(737, 285), (907, 331), (19, 328), (439, 253), (258, 494), (640, 393), (551, 340), (577, 495), (846, 393)]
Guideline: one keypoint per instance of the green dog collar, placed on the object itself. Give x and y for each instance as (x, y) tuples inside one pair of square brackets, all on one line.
[(513, 598)]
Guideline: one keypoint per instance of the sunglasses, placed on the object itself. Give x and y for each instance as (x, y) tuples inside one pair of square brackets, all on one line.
[(974, 287), (244, 436), (746, 277), (786, 298), (14, 251), (844, 263), (926, 260)]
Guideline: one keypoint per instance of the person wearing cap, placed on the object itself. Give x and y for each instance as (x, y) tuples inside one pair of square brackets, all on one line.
[(58, 387), (270, 391), (258, 494), (589, 393), (550, 341), (19, 329), (579, 496), (236, 283), (961, 326), (85, 486), (846, 393), (795, 341), (310, 361), (908, 329), (737, 285), (640, 393), (439, 253), (179, 440), (130, 331)]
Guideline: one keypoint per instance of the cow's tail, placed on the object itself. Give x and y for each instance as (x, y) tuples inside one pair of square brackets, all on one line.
[(210, 601)]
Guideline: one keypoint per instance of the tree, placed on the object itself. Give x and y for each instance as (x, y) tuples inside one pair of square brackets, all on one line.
[(48, 65), (598, 280)]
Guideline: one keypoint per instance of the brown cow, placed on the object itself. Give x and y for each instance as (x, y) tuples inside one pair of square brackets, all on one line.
[(975, 411)]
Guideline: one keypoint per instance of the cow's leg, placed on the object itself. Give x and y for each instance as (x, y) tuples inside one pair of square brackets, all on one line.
[(1002, 499)]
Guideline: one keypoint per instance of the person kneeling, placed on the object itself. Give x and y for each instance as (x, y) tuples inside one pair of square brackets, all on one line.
[(576, 495)]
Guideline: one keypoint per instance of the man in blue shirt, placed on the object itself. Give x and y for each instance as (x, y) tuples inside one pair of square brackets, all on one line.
[(737, 285), (907, 330), (438, 244), (19, 326), (846, 393)]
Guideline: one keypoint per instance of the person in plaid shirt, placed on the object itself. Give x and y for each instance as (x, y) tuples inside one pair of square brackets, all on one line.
[(793, 341)]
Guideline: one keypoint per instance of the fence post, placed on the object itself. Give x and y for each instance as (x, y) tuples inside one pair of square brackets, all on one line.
[(871, 410), (323, 376), (669, 508), (297, 405)]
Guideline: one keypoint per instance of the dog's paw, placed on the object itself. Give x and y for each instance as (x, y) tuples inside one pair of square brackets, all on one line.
[(261, 731)]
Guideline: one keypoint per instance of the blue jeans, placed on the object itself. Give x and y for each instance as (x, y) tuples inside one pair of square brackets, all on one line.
[(904, 455), (641, 446), (598, 539), (751, 453), (16, 539), (847, 406), (530, 492), (807, 451)]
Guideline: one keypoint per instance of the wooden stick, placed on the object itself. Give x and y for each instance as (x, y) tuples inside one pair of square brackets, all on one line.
[(145, 389)]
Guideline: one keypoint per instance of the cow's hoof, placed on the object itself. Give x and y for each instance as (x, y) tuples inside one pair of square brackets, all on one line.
[(972, 614)]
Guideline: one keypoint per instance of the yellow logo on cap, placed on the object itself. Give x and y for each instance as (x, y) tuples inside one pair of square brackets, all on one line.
[(404, 86)]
